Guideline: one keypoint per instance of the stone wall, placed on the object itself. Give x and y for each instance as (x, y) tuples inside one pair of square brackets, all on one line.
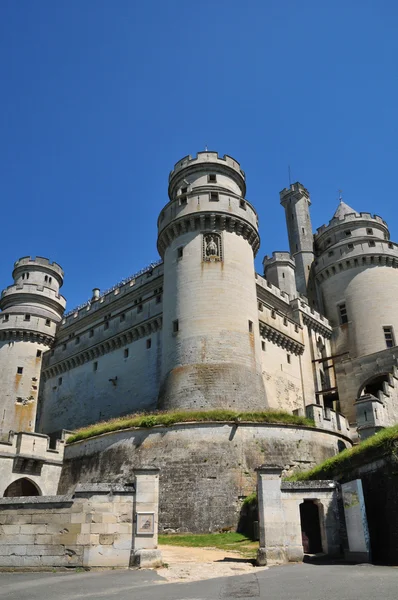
[(207, 469)]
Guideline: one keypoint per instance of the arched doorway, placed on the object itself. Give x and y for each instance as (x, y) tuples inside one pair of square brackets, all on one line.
[(22, 487), (310, 527)]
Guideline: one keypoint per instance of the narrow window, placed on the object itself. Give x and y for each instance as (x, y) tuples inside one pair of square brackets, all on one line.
[(50, 279), (288, 358), (27, 275), (330, 253), (302, 230), (158, 299), (139, 308), (372, 244), (260, 306), (343, 314), (369, 231), (46, 278), (183, 200), (6, 318), (77, 340), (91, 333), (38, 354), (122, 317), (106, 324), (126, 353), (263, 346), (59, 380), (250, 326), (242, 204), (63, 346), (184, 190), (48, 322), (95, 366), (175, 326), (148, 343), (285, 321), (214, 196), (389, 336), (296, 329), (212, 178), (273, 314), (27, 318), (19, 370), (180, 252)]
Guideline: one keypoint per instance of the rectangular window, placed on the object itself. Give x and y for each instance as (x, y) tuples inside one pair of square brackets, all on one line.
[(389, 336), (38, 354), (175, 326), (288, 358), (27, 318), (91, 333), (350, 246), (19, 370), (5, 318), (212, 178), (343, 314), (180, 252), (148, 343), (214, 196), (372, 244), (285, 321), (48, 322), (95, 366), (139, 308), (263, 346), (122, 317), (242, 204), (250, 326), (369, 231), (126, 353), (77, 340), (63, 346), (106, 325), (59, 380), (348, 232), (183, 201), (158, 299), (273, 314), (184, 190), (390, 245)]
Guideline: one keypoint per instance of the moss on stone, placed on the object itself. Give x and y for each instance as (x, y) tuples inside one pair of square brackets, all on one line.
[(172, 417)]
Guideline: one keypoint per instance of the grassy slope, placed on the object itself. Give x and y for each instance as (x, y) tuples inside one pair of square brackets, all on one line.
[(235, 542), (378, 445), (172, 417)]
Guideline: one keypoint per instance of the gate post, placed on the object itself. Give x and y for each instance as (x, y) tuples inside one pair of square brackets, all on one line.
[(145, 551), (271, 516)]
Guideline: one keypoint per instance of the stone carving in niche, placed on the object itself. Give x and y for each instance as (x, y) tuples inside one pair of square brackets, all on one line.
[(212, 247)]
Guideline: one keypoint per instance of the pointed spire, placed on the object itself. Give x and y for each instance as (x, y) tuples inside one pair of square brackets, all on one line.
[(343, 209)]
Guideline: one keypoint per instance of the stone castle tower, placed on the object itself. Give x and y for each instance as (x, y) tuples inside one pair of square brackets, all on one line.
[(208, 237), (31, 310)]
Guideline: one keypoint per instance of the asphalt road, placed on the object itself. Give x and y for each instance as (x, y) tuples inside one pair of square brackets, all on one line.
[(292, 582)]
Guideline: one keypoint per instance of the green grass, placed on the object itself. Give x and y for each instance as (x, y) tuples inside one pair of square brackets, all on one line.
[(230, 542), (172, 417), (376, 446)]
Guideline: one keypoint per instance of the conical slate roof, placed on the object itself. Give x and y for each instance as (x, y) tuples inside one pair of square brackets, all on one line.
[(342, 210)]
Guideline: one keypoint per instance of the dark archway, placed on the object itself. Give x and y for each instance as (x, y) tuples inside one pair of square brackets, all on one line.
[(310, 527), (374, 385), (22, 487)]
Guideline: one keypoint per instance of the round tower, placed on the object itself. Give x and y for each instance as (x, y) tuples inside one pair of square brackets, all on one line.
[(31, 309), (356, 270), (208, 237)]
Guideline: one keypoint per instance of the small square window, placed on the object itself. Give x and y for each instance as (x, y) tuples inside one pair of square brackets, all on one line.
[(27, 318), (183, 200), (348, 233), (180, 252), (390, 245), (212, 178), (214, 197), (242, 204), (126, 353), (6, 318), (250, 326), (369, 231), (19, 370), (175, 326), (95, 366), (38, 354), (48, 322), (372, 244), (350, 246), (59, 380), (91, 333), (148, 343), (184, 190), (263, 346)]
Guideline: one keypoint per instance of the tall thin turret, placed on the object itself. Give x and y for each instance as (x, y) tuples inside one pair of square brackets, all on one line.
[(296, 202), (31, 310), (208, 238)]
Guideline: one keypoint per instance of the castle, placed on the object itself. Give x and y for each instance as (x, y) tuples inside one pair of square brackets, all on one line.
[(200, 329)]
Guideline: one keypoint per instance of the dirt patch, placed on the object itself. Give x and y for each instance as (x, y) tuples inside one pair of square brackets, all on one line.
[(194, 564)]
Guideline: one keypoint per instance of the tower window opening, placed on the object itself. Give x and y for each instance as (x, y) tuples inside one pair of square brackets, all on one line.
[(296, 247), (242, 204), (390, 245), (180, 252), (343, 314), (341, 266), (158, 299), (372, 259), (369, 231), (126, 353), (285, 321), (77, 340), (148, 343), (389, 336), (184, 190), (350, 246), (214, 197), (348, 232), (283, 276), (302, 230), (334, 270), (273, 314), (355, 262), (260, 306), (19, 370), (175, 326), (27, 318), (122, 317), (38, 354), (331, 253), (50, 280), (212, 178), (6, 318), (95, 366), (59, 380), (46, 278), (91, 333), (63, 346), (48, 322), (139, 308), (250, 326), (263, 346), (289, 358), (372, 244)]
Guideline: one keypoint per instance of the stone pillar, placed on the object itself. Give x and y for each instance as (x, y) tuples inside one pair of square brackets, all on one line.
[(356, 521), (271, 516), (145, 551)]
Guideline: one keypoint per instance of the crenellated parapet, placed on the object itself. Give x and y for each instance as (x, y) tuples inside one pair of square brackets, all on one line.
[(355, 219)]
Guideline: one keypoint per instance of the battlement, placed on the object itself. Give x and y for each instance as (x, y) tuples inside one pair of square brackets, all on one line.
[(350, 218), (38, 261), (279, 257), (32, 289), (275, 291), (34, 446), (304, 307), (295, 189), (138, 279), (206, 157)]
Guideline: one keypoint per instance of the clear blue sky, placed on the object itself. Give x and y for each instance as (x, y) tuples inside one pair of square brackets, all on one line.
[(99, 98)]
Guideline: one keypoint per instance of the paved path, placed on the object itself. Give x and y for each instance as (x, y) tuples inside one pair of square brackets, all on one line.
[(292, 582)]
